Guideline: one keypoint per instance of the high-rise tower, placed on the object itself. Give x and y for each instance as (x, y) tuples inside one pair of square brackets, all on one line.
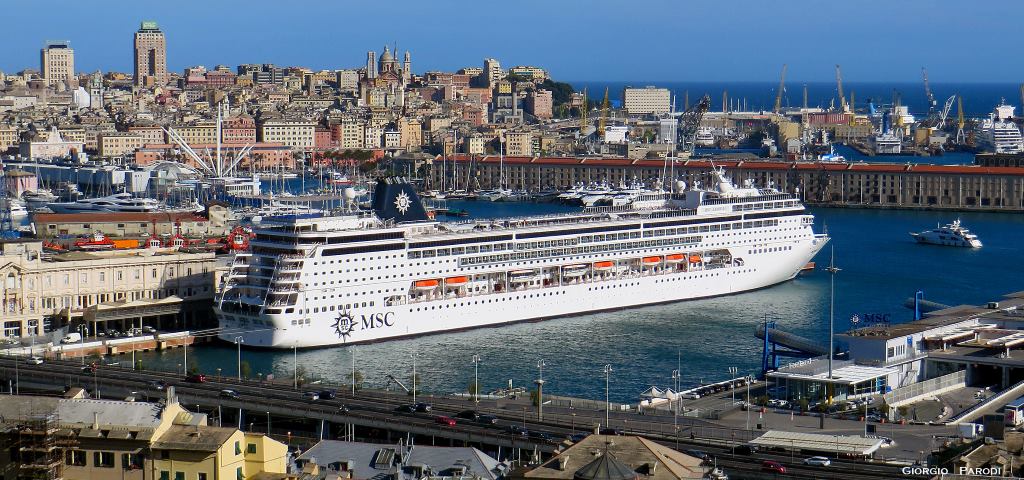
[(57, 62), (150, 55)]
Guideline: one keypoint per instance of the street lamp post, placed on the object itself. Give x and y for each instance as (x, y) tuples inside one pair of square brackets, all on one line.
[(353, 358), (732, 382), (540, 390), (607, 382), (239, 340), (476, 379), (832, 270), (414, 377), (675, 409), (295, 365), (81, 342)]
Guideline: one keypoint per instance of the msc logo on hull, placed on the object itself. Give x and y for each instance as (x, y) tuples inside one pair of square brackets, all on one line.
[(346, 323)]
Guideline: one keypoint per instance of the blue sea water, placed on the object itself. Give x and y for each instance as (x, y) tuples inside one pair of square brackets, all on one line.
[(881, 266)]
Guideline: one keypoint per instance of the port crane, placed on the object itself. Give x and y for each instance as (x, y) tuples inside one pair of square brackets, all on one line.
[(961, 138), (689, 122), (603, 122), (839, 86), (782, 88), (928, 91)]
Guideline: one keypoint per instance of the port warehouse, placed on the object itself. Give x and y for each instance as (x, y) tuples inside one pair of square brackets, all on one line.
[(841, 183), (985, 343)]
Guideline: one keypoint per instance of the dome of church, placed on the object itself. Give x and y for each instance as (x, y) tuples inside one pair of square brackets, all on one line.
[(386, 56)]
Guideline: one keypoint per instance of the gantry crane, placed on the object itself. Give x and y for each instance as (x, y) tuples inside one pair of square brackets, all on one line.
[(839, 86), (961, 138), (689, 122), (583, 113), (782, 88), (928, 91), (603, 122)]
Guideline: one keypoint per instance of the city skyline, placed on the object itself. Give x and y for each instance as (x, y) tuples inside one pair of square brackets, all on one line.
[(809, 37)]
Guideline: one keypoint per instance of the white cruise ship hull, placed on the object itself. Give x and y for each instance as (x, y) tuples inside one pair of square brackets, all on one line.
[(363, 325)]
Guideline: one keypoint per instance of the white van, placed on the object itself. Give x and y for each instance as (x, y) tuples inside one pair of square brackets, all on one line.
[(73, 337)]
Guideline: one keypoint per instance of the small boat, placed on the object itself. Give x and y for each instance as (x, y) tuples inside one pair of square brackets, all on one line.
[(651, 261), (695, 258), (522, 276), (424, 285), (675, 258), (455, 282), (573, 271), (603, 266), (950, 235)]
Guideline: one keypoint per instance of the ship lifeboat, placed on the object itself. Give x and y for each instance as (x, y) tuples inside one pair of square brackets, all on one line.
[(651, 261), (675, 258), (573, 271), (695, 258), (455, 282), (522, 276), (603, 266), (424, 285)]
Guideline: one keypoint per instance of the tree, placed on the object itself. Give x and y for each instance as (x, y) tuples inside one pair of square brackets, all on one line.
[(473, 388), (244, 369), (355, 378), (561, 92), (415, 387), (534, 397), (300, 374), (904, 410), (804, 404)]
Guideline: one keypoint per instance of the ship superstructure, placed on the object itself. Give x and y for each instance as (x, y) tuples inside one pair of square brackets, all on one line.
[(312, 281)]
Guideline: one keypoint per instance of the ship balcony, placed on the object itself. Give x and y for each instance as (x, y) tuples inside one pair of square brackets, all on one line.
[(287, 278), (284, 288)]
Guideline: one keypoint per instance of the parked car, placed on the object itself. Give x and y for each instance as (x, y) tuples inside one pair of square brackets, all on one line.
[(542, 436), (443, 420), (700, 454), (406, 409), (195, 378), (744, 449), (328, 394), (487, 419), (311, 396), (818, 461), (611, 431), (772, 466), (423, 407), (468, 414), (148, 329), (517, 430), (34, 360), (228, 393)]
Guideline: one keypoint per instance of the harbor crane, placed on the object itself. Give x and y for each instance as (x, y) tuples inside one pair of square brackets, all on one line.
[(584, 123), (961, 138), (782, 88), (928, 91), (603, 122), (839, 86), (689, 122)]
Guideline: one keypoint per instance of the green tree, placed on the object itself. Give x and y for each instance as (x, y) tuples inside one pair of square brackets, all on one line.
[(561, 92), (804, 404), (245, 369), (904, 410), (473, 388), (534, 397), (416, 384), (300, 374), (355, 378)]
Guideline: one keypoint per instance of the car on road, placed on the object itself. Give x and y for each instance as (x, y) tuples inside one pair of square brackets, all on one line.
[(158, 384), (487, 419), (443, 420), (578, 437), (772, 466), (716, 474), (34, 360), (744, 449), (148, 329), (90, 368), (517, 430), (343, 408), (542, 436), (328, 394), (423, 407), (818, 461), (886, 441), (700, 454), (611, 431), (406, 409), (468, 415), (195, 378), (311, 396), (228, 393)]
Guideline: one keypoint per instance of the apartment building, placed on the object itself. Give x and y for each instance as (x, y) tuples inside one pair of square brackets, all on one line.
[(116, 144), (57, 63), (297, 134), (518, 144), (150, 56), (647, 100)]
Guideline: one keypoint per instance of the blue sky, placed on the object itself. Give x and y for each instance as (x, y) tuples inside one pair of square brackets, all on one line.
[(653, 40)]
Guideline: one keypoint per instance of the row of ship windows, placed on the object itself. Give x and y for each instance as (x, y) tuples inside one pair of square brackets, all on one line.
[(763, 206), (730, 272), (489, 300), (768, 250)]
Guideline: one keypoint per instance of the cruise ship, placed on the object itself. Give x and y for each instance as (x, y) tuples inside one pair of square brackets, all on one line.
[(998, 133), (315, 281)]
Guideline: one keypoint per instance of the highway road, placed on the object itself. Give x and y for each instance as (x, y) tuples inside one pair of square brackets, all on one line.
[(376, 410)]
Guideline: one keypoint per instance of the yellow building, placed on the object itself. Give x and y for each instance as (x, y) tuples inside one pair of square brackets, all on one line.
[(115, 440), (117, 144), (295, 134), (199, 133), (519, 144)]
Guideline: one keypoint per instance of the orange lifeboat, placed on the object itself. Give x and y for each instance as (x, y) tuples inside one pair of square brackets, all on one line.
[(455, 282), (426, 284), (695, 258), (651, 261), (675, 258), (603, 266)]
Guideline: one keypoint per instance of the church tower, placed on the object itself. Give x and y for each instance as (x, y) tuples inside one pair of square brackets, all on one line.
[(371, 64), (407, 68)]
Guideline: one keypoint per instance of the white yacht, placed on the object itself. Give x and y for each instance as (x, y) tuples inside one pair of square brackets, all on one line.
[(354, 277), (998, 133), (13, 207), (705, 137), (887, 143), (118, 202), (952, 235)]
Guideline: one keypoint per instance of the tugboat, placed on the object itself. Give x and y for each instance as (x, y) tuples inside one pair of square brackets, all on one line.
[(952, 235)]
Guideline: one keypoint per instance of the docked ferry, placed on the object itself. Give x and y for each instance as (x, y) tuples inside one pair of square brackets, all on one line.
[(313, 281)]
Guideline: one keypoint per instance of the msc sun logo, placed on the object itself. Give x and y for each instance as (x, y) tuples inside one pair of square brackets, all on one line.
[(402, 203), (344, 325)]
